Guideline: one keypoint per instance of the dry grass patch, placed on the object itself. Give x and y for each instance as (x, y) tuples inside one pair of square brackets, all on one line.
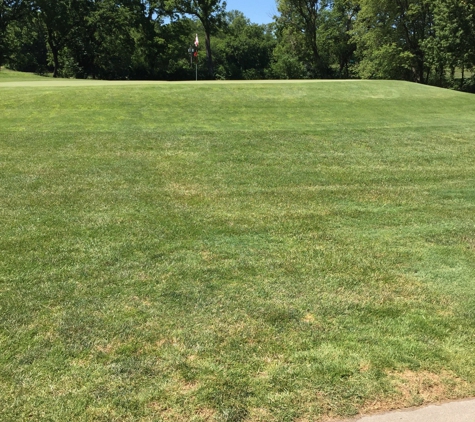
[(169, 414), (419, 388), (190, 190), (426, 387)]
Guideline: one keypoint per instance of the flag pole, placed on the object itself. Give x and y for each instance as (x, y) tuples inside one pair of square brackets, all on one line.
[(197, 43), (194, 54)]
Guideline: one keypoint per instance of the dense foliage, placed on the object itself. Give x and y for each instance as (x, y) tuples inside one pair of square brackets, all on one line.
[(426, 41)]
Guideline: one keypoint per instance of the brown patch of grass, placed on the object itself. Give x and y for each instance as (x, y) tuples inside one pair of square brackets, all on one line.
[(206, 414), (144, 276), (108, 348), (445, 313), (188, 387), (326, 408), (208, 256), (429, 387), (155, 406), (311, 320), (160, 343), (157, 346), (167, 413), (259, 414), (180, 387), (308, 318), (171, 414), (470, 241), (418, 388), (263, 375), (80, 363), (186, 190)]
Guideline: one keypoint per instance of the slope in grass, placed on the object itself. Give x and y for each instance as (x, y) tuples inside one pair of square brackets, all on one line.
[(337, 106), (7, 75), (239, 252)]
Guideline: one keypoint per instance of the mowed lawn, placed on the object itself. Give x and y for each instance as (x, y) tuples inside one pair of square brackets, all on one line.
[(291, 251), (7, 75)]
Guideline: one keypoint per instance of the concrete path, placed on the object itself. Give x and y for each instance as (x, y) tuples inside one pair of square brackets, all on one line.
[(459, 411)]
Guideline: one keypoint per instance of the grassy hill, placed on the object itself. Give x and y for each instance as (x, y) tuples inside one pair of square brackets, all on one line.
[(234, 251), (7, 75)]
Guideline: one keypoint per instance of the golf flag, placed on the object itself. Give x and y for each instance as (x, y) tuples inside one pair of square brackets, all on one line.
[(197, 43)]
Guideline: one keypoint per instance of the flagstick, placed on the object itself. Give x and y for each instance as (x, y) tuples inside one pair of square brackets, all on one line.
[(197, 43)]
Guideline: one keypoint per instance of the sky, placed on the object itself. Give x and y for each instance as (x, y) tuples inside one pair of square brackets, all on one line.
[(258, 11)]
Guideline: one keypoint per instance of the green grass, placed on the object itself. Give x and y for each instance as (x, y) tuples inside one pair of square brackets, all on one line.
[(467, 73), (234, 252), (7, 75)]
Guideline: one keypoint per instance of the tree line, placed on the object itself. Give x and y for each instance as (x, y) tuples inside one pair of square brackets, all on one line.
[(425, 41)]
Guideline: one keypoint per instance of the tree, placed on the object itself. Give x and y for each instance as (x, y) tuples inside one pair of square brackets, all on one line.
[(390, 35), (104, 39), (335, 33), (161, 39), (211, 14), (304, 17), (59, 18), (108, 44), (148, 37), (10, 11), (243, 49), (453, 45), (26, 41)]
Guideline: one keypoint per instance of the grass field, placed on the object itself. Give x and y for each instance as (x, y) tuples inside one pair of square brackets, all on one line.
[(7, 75), (234, 252)]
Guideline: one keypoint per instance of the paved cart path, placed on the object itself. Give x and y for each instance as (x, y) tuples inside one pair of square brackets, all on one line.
[(459, 411)]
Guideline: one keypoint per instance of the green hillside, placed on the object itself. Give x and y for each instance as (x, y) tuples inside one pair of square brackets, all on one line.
[(7, 75), (234, 251)]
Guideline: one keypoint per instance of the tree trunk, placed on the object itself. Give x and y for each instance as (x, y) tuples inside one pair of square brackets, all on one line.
[(311, 34), (340, 71), (55, 52), (2, 53), (316, 58), (427, 79), (440, 74), (418, 70), (209, 58)]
